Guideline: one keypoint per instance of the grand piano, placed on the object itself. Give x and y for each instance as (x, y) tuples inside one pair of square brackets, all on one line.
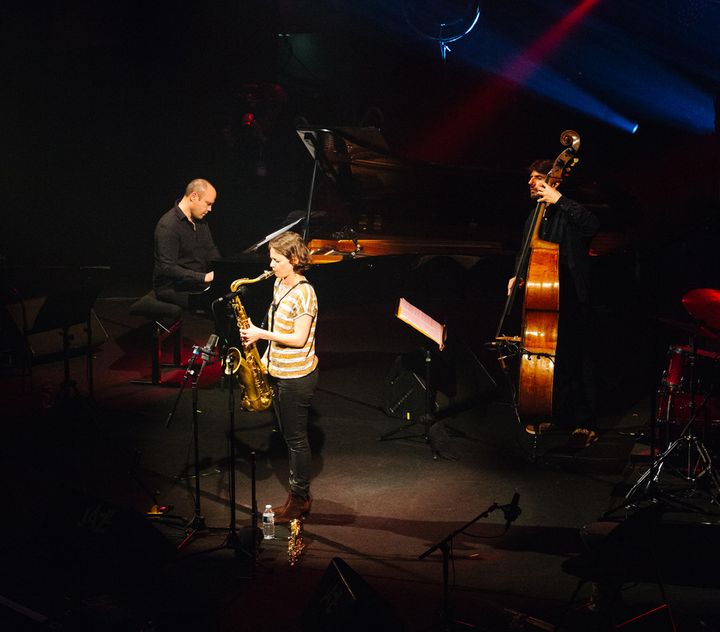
[(365, 204), (365, 201)]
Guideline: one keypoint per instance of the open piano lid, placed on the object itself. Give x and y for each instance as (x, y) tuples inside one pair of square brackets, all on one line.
[(370, 202)]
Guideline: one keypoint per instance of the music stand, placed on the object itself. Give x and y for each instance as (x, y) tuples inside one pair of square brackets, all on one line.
[(255, 247), (71, 305), (436, 332)]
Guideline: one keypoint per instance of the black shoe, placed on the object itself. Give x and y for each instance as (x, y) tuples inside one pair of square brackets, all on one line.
[(583, 437)]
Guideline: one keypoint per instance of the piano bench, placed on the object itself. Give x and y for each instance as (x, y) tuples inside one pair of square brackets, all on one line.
[(167, 325)]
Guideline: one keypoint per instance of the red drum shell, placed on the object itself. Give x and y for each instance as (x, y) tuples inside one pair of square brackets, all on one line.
[(677, 376), (674, 408)]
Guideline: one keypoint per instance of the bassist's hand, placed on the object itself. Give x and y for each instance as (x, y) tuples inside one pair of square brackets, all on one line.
[(546, 193), (511, 283)]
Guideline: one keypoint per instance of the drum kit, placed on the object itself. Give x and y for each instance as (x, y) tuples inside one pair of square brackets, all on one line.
[(688, 403)]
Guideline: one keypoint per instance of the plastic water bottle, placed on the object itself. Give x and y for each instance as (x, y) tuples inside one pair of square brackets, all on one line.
[(268, 523)]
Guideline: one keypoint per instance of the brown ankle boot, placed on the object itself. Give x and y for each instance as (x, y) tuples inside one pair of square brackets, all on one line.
[(297, 507), (285, 504)]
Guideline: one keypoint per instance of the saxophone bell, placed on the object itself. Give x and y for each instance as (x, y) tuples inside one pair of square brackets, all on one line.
[(232, 361)]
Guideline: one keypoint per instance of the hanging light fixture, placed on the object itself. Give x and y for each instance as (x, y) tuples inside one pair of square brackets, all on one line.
[(443, 22)]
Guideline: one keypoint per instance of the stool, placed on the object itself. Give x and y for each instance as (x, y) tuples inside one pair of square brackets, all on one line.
[(167, 324)]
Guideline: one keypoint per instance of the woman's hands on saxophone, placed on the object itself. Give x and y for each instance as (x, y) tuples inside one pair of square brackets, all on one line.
[(296, 338), (252, 334)]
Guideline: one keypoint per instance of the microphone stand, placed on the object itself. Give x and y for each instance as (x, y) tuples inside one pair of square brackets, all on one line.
[(197, 524), (233, 541), (445, 545), (198, 521)]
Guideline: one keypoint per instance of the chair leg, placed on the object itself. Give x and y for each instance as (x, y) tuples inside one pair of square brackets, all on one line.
[(156, 355), (177, 344), (160, 334)]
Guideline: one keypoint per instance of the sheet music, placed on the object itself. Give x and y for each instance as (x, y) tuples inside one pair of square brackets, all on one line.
[(280, 231), (418, 319)]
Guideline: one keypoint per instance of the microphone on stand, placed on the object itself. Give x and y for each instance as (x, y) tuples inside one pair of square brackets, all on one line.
[(227, 297), (512, 511), (208, 350)]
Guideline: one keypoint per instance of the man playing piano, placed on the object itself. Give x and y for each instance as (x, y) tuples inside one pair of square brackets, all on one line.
[(184, 245)]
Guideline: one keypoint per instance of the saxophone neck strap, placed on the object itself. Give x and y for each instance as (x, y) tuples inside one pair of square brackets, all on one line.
[(275, 304)]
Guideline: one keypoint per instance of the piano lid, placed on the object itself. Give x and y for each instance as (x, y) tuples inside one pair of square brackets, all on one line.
[(369, 201)]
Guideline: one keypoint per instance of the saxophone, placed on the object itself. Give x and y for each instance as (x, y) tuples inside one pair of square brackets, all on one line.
[(258, 393)]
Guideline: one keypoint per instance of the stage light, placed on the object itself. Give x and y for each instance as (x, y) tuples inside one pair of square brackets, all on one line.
[(442, 22)]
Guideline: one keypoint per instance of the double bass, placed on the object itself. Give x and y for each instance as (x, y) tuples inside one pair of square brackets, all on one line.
[(537, 276)]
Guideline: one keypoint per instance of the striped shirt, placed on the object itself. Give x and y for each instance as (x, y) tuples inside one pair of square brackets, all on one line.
[(292, 362)]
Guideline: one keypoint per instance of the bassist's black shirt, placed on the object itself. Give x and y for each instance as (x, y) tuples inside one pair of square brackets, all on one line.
[(571, 225)]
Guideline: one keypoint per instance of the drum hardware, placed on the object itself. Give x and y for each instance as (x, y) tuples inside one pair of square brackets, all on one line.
[(698, 461), (674, 402), (696, 329)]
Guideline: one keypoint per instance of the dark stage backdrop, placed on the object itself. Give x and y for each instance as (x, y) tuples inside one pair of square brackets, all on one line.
[(110, 108)]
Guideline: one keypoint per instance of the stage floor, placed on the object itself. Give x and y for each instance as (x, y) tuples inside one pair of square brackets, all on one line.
[(378, 504)]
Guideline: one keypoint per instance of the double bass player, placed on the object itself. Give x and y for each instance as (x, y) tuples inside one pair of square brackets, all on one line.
[(570, 225)]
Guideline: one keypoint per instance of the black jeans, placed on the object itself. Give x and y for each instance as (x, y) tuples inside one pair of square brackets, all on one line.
[(292, 406)]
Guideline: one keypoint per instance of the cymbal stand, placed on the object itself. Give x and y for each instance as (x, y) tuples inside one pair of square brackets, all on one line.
[(691, 443)]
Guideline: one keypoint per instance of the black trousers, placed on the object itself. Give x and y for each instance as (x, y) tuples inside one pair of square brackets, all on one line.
[(574, 390), (169, 294), (292, 407)]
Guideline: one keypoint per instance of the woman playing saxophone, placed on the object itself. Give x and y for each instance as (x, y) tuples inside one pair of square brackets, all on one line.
[(291, 362)]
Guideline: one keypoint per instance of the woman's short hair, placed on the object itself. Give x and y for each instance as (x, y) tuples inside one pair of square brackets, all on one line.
[(291, 245)]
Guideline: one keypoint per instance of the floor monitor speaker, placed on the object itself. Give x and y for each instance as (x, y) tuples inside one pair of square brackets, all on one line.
[(344, 601)]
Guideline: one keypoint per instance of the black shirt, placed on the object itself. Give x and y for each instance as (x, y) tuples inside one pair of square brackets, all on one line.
[(571, 225), (182, 251)]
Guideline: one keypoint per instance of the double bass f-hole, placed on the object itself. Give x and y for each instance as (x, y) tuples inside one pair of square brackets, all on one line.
[(537, 277)]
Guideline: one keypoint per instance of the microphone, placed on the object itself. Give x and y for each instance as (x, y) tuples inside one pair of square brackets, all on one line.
[(209, 347), (512, 511), (227, 297)]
